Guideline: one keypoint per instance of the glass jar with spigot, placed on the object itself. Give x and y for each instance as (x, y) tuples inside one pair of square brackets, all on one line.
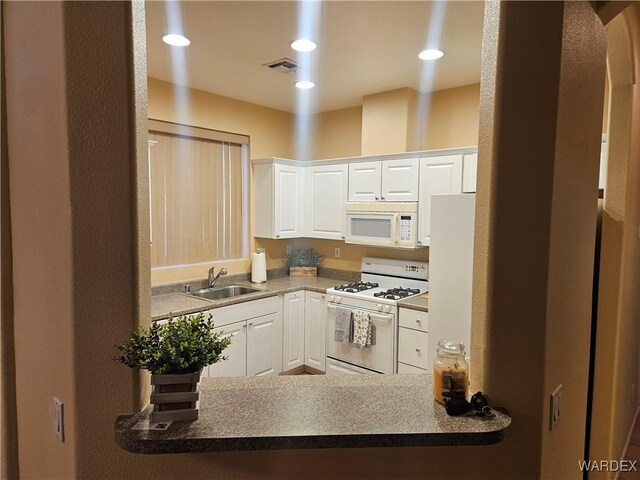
[(450, 371)]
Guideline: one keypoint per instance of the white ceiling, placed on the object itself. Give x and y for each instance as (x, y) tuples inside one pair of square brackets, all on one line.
[(364, 47)]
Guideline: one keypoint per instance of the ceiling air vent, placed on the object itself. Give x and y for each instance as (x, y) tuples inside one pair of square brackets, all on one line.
[(284, 65)]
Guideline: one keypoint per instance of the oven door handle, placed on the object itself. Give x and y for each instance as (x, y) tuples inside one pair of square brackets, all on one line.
[(381, 316)]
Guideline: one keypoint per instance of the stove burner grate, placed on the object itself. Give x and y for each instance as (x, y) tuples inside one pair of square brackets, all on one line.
[(356, 287)]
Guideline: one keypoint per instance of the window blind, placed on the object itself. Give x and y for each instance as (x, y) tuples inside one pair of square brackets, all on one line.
[(196, 189)]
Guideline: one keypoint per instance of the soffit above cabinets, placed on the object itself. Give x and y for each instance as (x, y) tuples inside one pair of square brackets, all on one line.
[(364, 47)]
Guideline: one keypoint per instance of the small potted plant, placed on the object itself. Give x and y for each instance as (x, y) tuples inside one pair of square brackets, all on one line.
[(175, 353), (303, 263)]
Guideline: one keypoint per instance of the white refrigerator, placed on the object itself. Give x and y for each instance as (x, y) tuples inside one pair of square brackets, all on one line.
[(450, 269)]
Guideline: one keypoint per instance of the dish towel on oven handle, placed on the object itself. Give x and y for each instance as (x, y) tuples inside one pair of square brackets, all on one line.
[(343, 329), (361, 329)]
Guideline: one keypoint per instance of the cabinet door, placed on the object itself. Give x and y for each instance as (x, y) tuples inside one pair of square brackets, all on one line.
[(315, 338), (288, 201), (400, 180), (236, 364), (264, 345), (293, 331), (469, 173), (364, 181), (438, 176), (326, 201)]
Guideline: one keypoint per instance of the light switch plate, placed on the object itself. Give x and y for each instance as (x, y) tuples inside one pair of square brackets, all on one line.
[(554, 407), (58, 419), (288, 249), (336, 252)]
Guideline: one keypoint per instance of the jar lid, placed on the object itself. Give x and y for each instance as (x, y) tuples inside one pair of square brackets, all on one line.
[(450, 347)]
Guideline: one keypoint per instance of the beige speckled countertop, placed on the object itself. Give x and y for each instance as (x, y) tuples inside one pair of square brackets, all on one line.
[(313, 411), (415, 303), (179, 304)]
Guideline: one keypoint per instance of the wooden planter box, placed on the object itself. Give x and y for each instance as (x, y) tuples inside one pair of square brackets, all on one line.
[(303, 271), (175, 397)]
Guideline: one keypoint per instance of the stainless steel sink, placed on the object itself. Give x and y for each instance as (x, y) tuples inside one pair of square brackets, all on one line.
[(218, 293)]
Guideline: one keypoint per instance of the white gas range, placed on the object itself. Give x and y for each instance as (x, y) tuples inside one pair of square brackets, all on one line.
[(383, 282)]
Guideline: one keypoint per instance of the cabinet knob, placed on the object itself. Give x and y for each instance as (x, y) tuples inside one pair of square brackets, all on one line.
[(418, 320), (244, 325), (277, 235), (377, 198), (381, 198), (250, 324), (418, 350)]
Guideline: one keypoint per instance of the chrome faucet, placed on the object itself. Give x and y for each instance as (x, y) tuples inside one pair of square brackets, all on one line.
[(214, 278)]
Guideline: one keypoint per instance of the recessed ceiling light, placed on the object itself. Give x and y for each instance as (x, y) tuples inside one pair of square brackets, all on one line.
[(430, 54), (305, 84), (175, 40), (303, 45)]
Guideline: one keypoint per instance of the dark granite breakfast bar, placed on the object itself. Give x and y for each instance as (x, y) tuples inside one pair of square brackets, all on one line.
[(313, 411)]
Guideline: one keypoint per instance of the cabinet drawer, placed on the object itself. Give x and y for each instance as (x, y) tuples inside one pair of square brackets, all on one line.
[(414, 319), (404, 368), (245, 310), (412, 348)]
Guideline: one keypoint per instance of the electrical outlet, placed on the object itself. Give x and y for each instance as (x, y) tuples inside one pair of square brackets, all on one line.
[(288, 249), (58, 419), (336, 252), (554, 407)]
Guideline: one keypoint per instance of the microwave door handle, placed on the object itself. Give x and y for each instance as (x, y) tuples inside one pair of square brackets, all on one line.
[(394, 231)]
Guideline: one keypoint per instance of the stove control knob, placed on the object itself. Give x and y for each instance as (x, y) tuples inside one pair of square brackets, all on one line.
[(379, 307), (331, 298), (339, 299), (387, 308)]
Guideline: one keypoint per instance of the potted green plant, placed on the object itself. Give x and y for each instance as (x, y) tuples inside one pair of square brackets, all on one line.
[(174, 353), (303, 263)]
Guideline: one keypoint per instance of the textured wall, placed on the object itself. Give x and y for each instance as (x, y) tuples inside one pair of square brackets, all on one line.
[(535, 223), (617, 346)]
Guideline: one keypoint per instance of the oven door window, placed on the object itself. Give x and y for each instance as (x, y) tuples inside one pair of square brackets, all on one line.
[(378, 227)]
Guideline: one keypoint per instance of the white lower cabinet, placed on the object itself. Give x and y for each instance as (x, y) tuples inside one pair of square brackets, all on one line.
[(404, 368), (293, 329), (264, 345), (315, 326), (304, 330), (236, 353), (255, 329), (413, 341)]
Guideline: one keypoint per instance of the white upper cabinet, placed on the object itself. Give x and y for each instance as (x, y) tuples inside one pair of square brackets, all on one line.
[(365, 181), (326, 198), (278, 204), (400, 180), (384, 180), (469, 172), (293, 330), (438, 176)]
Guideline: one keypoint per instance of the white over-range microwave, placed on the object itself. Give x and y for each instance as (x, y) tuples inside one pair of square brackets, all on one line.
[(383, 224)]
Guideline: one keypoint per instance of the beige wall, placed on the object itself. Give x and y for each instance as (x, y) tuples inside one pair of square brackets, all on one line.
[(618, 340), (269, 130), (386, 121), (337, 133), (453, 118)]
